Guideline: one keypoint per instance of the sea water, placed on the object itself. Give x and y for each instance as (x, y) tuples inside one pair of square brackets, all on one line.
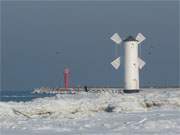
[(20, 95)]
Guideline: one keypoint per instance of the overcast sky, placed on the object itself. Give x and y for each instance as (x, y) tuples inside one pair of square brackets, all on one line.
[(40, 39)]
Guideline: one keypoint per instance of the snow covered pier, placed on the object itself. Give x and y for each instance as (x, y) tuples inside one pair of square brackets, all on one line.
[(46, 90)]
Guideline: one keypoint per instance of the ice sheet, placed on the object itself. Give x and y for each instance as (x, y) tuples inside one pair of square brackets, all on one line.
[(151, 111)]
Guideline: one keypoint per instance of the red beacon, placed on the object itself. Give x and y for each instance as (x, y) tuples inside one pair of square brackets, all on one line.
[(66, 78)]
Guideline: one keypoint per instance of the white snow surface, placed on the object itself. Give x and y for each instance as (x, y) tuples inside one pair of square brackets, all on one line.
[(152, 111)]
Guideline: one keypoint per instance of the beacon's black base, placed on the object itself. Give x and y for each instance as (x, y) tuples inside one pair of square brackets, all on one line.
[(131, 91)]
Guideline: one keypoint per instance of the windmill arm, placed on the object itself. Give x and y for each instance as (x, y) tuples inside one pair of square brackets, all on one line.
[(140, 38), (116, 63), (141, 63)]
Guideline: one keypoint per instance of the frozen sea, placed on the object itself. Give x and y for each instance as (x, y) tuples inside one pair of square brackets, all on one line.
[(152, 111)]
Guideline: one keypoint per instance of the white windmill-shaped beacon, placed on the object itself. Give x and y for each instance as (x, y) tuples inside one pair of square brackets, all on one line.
[(132, 62)]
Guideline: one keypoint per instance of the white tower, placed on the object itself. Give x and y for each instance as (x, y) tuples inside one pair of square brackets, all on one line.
[(132, 62)]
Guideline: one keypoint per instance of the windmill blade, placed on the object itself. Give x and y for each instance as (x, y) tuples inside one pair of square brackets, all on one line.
[(116, 38), (141, 63), (116, 63), (140, 38)]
